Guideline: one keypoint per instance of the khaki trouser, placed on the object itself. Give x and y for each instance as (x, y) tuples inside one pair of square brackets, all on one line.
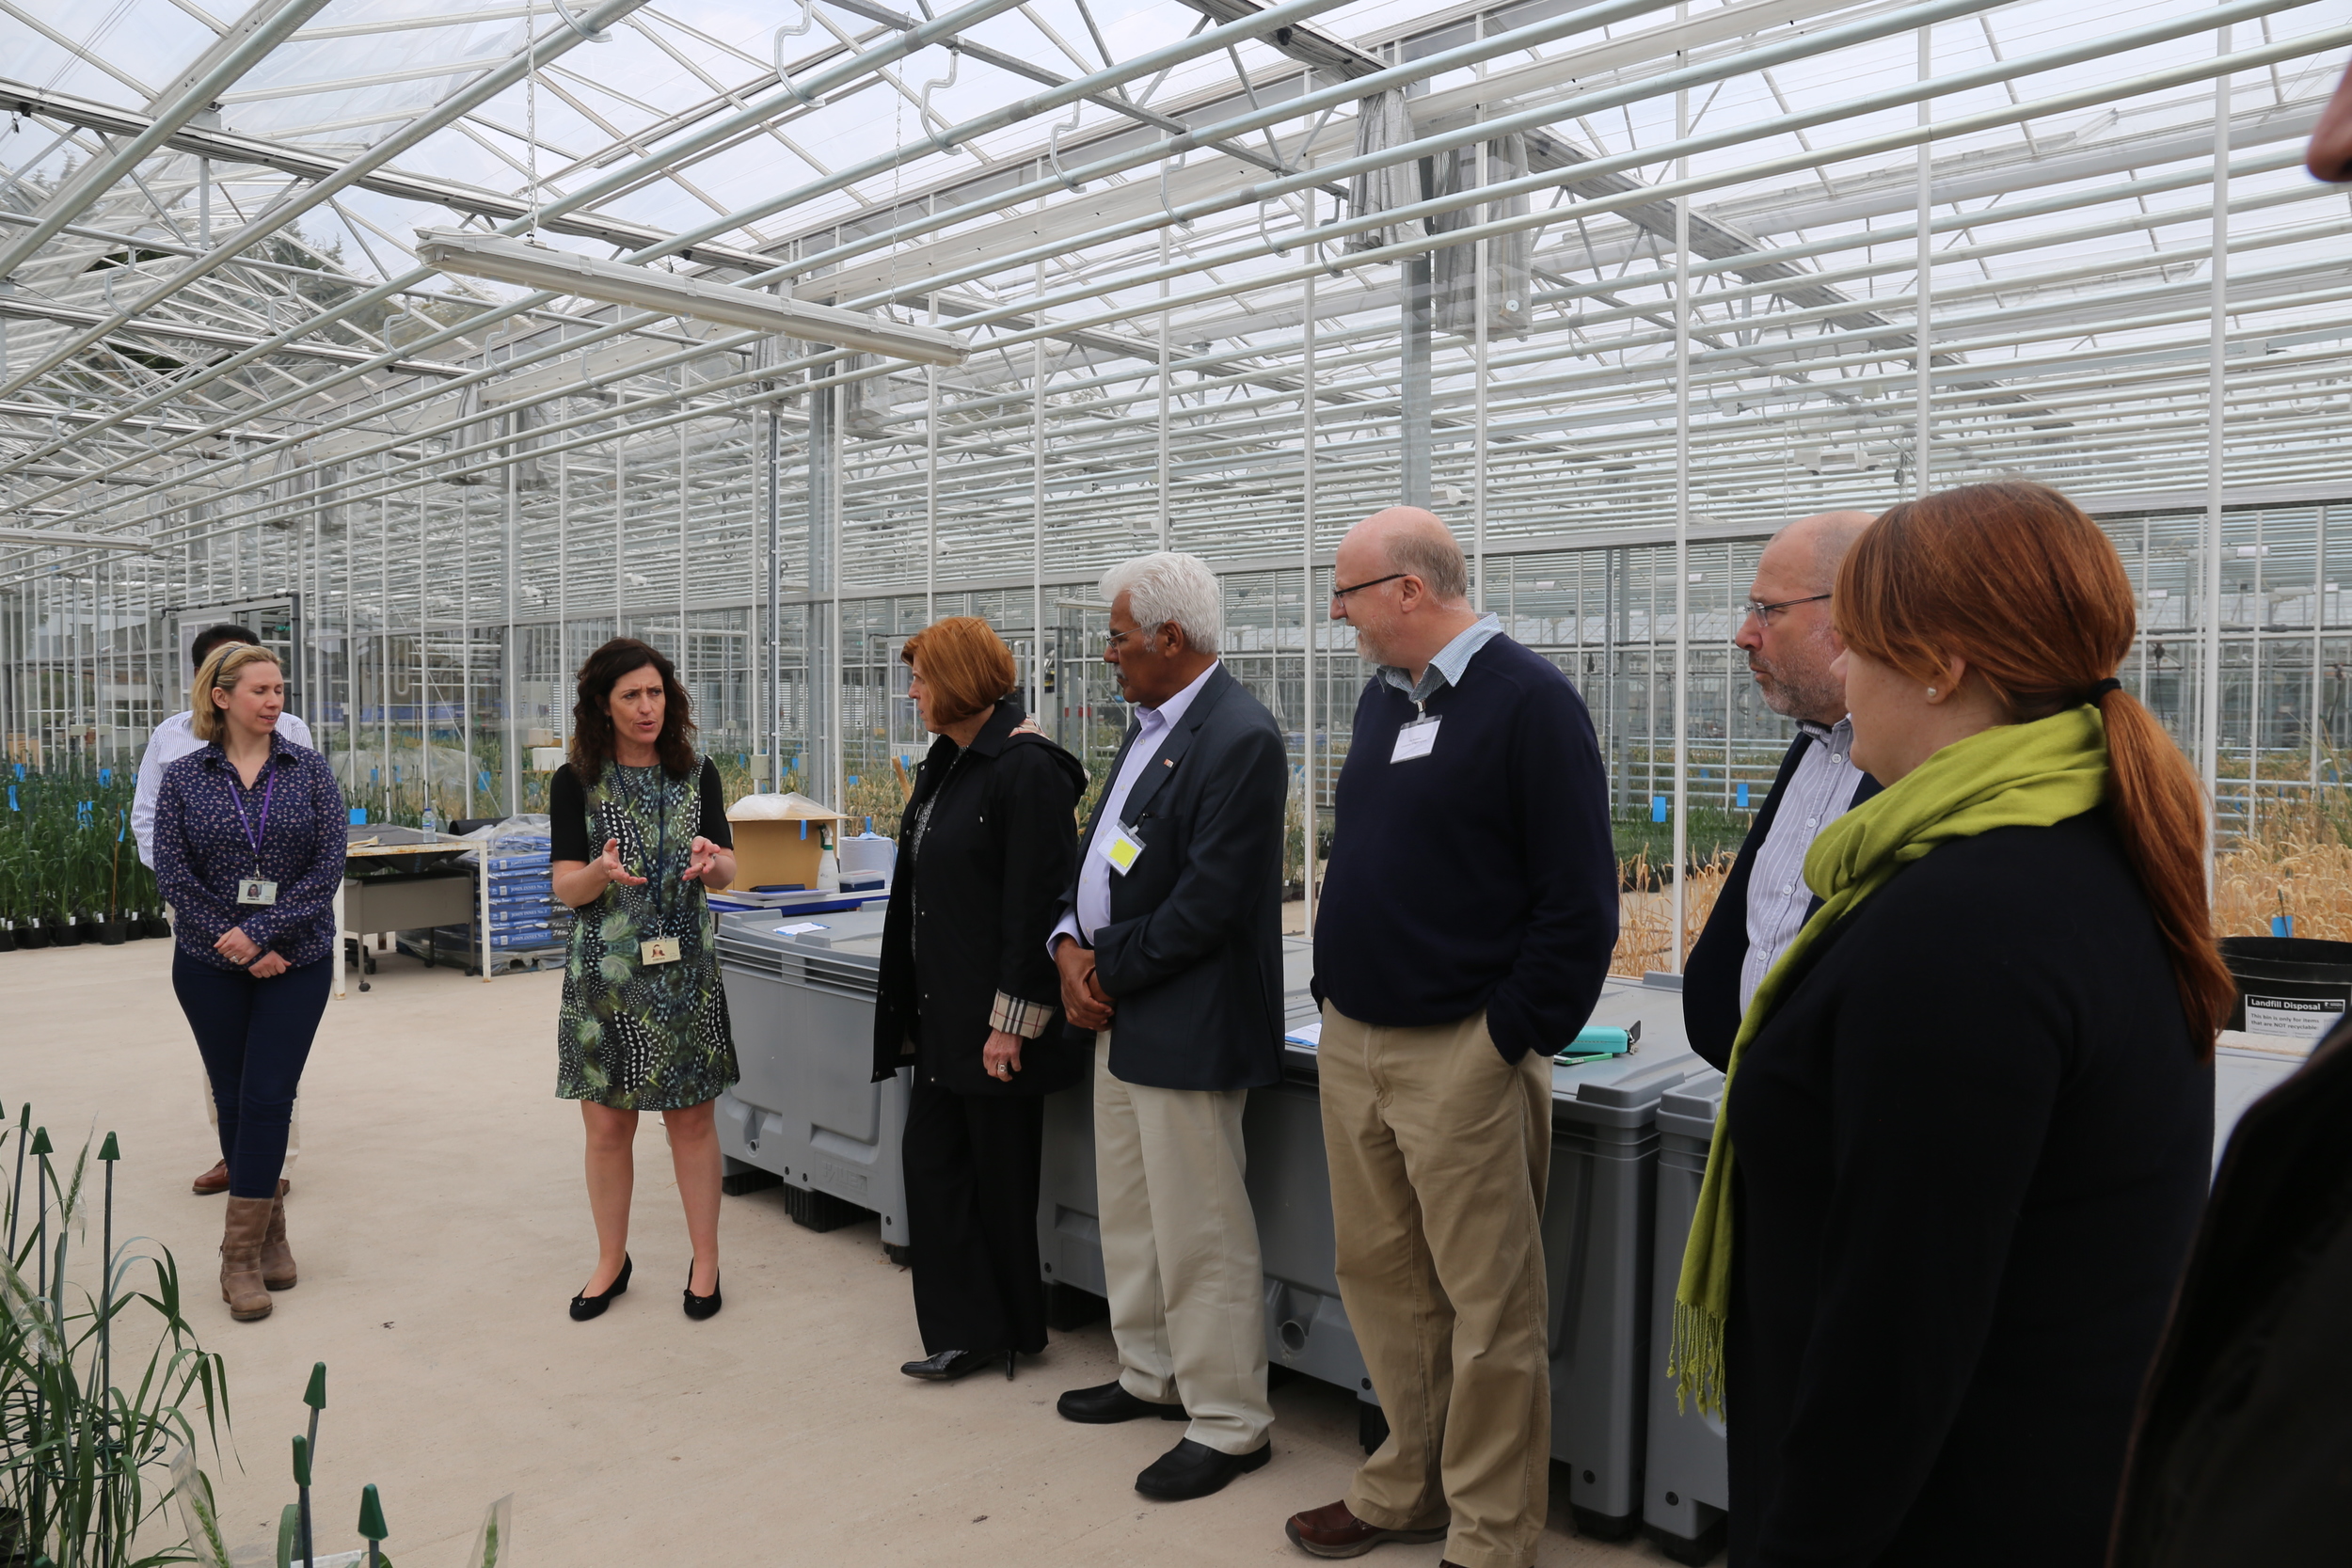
[(1439, 1150), (1180, 1254)]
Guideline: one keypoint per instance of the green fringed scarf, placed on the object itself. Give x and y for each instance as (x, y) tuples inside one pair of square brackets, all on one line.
[(2013, 776)]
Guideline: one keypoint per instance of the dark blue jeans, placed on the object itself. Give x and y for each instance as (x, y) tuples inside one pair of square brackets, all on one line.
[(255, 1036)]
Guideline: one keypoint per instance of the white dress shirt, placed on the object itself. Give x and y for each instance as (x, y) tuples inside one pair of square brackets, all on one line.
[(1152, 725), (174, 738), (1818, 793)]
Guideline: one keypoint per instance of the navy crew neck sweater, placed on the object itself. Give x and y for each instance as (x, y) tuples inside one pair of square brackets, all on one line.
[(1481, 875)]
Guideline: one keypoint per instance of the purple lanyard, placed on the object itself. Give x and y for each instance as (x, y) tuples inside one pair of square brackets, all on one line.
[(236, 799)]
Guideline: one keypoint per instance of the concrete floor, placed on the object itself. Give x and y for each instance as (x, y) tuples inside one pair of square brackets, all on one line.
[(440, 1223)]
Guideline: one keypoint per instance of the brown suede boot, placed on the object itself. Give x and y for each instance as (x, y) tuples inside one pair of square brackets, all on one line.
[(240, 1240), (278, 1259)]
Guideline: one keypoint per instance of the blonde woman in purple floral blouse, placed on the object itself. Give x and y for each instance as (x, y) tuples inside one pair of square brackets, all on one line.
[(249, 850)]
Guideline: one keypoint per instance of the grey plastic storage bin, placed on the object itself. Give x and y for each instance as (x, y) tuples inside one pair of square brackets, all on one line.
[(805, 1109), (1688, 1489), (1596, 1234)]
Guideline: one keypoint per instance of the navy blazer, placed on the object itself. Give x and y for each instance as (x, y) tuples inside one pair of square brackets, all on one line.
[(1192, 957), (1711, 980)]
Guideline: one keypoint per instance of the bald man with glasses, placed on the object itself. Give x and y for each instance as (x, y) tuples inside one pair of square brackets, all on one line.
[(1765, 902)]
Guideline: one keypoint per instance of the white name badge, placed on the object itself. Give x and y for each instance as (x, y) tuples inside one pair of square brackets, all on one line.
[(254, 890), (1118, 847), (1415, 740), (658, 950)]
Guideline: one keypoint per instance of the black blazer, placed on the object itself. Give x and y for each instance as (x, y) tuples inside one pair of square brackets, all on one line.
[(1193, 953), (1973, 1140), (1711, 978), (970, 914), (2243, 1452)]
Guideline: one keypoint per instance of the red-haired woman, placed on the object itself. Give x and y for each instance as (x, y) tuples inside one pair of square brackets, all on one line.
[(1969, 1114), (637, 828), (969, 1000)]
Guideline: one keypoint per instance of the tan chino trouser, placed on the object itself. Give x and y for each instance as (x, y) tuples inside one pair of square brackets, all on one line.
[(1180, 1254), (1439, 1150)]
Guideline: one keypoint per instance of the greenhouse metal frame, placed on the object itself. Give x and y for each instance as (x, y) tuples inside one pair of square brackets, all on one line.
[(1618, 288)]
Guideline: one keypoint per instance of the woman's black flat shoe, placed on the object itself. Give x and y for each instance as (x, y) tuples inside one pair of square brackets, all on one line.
[(950, 1364), (585, 1308), (700, 1307)]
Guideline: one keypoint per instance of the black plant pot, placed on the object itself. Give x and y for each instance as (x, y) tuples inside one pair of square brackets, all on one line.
[(110, 933), (157, 926), (7, 940), (32, 936), (134, 924), (67, 935)]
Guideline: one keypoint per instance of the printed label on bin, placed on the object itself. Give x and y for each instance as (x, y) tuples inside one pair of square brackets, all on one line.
[(801, 927), (2305, 1018)]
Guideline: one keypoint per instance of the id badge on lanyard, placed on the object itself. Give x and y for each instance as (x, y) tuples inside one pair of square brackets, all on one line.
[(256, 889), (1416, 738), (1119, 847), (660, 949)]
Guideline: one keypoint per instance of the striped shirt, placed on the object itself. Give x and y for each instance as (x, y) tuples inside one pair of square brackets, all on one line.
[(1818, 793)]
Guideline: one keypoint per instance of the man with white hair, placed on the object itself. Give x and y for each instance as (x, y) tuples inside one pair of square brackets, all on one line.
[(1464, 933), (1170, 947)]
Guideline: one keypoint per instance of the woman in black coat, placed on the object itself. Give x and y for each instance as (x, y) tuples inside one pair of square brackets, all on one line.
[(969, 998), (1969, 1115)]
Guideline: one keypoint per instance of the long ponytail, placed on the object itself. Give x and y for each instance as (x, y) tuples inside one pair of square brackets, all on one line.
[(2017, 580)]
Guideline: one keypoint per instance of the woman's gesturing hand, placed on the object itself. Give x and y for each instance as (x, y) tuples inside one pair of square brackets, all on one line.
[(1001, 1056), (610, 863), (701, 858)]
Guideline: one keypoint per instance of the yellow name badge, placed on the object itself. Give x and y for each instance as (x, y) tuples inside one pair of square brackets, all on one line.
[(658, 950), (1120, 848)]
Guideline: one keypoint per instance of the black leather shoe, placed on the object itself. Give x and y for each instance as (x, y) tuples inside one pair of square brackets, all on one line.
[(1108, 1403), (950, 1364), (1193, 1469), (699, 1307), (585, 1308)]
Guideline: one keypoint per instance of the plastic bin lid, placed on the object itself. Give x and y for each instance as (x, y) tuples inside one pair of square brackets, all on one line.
[(852, 934), (1689, 1107)]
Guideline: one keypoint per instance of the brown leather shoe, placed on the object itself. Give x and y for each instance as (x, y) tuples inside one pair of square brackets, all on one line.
[(277, 1258), (1331, 1530), (213, 1180), (241, 1239)]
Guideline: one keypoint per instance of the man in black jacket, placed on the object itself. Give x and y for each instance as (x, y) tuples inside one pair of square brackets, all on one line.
[(1170, 947), (1765, 902)]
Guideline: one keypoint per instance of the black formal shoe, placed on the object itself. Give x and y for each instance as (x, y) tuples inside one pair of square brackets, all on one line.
[(950, 1364), (585, 1308), (1193, 1469), (700, 1307), (1109, 1402)]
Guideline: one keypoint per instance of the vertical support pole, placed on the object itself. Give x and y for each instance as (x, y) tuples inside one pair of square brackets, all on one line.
[(931, 488), (510, 665), (1413, 393), (1162, 428), (1682, 533), (563, 592), (2217, 358), (824, 458), (1480, 213), (1307, 618), (1923, 395), (772, 503), (2319, 624), (1037, 653)]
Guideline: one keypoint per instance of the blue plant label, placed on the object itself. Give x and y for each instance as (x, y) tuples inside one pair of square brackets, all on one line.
[(485, 781), (1743, 795), (1657, 808), (105, 776), (358, 816), (12, 805)]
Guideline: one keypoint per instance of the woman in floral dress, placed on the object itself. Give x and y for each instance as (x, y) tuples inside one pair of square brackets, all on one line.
[(638, 834)]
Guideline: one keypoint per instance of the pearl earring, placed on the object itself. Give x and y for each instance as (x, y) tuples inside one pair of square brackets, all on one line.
[(1930, 692)]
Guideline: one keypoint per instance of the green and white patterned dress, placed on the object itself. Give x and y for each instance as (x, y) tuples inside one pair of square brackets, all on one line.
[(640, 1037)]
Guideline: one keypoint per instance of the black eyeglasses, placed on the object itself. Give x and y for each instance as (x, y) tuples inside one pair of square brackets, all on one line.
[(1338, 595), (1765, 612)]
